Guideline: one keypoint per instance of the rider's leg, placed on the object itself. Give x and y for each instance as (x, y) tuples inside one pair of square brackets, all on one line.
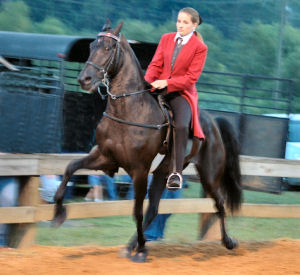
[(182, 117)]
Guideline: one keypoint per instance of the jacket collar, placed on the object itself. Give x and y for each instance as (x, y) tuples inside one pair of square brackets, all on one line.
[(185, 38)]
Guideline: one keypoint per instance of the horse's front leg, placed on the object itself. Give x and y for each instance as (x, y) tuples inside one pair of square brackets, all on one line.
[(140, 190), (88, 162), (155, 191)]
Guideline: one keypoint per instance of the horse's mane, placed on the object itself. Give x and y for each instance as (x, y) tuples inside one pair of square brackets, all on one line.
[(133, 57), (107, 28)]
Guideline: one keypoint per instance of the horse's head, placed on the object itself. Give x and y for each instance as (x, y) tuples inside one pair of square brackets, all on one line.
[(103, 60)]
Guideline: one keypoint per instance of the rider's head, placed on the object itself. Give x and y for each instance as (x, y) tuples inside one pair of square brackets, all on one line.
[(188, 20)]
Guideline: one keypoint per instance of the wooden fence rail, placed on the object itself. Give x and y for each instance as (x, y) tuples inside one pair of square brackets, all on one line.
[(30, 211), (33, 214), (55, 164)]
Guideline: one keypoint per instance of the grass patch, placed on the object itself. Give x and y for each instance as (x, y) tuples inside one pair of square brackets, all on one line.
[(103, 231), (181, 228), (263, 228)]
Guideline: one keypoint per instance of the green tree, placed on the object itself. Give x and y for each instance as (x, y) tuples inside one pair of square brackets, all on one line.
[(291, 69), (145, 31), (291, 63), (52, 25), (255, 51), (214, 40), (14, 16)]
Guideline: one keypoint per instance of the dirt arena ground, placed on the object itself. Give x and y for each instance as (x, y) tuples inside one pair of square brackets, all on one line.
[(276, 257)]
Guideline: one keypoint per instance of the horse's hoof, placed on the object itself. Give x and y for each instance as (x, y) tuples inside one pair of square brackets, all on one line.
[(140, 257), (230, 243), (59, 217), (125, 253)]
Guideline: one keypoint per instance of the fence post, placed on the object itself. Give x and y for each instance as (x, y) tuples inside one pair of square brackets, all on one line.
[(244, 88), (23, 235), (291, 96)]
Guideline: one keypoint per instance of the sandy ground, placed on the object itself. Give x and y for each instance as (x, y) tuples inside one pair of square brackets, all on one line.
[(276, 257)]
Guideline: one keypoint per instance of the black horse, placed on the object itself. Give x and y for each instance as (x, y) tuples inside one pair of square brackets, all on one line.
[(132, 132)]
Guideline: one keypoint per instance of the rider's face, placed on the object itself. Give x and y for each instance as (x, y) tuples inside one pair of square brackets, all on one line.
[(184, 24)]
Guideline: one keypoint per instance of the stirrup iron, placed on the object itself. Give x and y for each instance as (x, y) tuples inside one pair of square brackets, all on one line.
[(180, 181)]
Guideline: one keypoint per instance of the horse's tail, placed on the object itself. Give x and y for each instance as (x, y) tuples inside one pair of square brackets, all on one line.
[(231, 183)]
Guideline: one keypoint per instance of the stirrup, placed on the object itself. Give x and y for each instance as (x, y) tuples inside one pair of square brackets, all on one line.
[(174, 187)]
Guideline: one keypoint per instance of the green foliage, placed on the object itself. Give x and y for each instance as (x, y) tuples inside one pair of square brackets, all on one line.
[(291, 59), (257, 42), (14, 16), (145, 31), (213, 38), (242, 36), (52, 25)]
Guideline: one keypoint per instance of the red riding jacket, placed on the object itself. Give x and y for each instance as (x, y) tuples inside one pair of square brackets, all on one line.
[(186, 71)]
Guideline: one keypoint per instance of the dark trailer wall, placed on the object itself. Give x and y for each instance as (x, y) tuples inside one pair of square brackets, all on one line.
[(42, 109)]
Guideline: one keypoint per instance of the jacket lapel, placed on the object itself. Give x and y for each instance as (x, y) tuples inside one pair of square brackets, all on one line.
[(186, 49), (170, 50)]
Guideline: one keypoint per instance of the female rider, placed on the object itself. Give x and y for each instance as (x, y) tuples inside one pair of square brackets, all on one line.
[(176, 67)]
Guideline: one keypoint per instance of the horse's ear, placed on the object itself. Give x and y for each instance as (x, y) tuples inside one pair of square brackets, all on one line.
[(118, 29), (106, 26)]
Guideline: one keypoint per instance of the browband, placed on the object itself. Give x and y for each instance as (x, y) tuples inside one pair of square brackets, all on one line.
[(108, 34)]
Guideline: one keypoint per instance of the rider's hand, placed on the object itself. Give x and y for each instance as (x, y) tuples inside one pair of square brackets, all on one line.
[(159, 84)]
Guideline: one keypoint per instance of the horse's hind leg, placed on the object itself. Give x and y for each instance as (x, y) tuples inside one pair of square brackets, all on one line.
[(228, 242), (211, 185), (87, 162)]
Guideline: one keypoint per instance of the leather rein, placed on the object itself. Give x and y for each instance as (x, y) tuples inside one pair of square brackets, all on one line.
[(105, 81)]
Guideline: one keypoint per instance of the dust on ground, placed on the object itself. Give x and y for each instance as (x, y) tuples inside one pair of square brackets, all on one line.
[(271, 257)]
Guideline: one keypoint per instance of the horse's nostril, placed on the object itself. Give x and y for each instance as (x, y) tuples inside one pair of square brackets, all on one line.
[(84, 80), (87, 80)]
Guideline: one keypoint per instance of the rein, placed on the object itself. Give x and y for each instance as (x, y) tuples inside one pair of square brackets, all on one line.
[(105, 81), (144, 125), (114, 97)]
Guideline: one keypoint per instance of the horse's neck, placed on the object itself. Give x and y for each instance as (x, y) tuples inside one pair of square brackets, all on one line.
[(129, 79)]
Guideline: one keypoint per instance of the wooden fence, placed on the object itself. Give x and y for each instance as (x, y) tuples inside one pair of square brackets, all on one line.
[(29, 211)]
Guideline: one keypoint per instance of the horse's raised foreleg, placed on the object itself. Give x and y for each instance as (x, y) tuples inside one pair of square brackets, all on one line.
[(88, 162)]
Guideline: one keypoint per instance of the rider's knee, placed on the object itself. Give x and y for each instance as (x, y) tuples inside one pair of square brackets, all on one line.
[(180, 127)]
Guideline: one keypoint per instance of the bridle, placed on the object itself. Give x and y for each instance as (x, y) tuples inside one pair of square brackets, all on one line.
[(113, 57), (112, 60)]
